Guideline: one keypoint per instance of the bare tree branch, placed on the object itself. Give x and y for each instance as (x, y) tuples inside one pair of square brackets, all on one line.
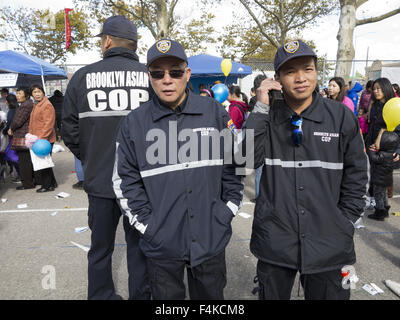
[(271, 40), (379, 18)]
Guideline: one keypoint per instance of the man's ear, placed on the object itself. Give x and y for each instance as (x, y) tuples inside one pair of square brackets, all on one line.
[(107, 42), (276, 76)]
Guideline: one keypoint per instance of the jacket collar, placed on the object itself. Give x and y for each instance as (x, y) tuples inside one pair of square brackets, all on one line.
[(312, 112), (118, 51), (188, 107)]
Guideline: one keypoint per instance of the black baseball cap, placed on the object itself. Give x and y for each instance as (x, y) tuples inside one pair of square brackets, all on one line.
[(166, 48), (119, 26), (291, 50)]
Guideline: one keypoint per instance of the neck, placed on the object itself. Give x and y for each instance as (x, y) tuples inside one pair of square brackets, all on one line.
[(298, 106)]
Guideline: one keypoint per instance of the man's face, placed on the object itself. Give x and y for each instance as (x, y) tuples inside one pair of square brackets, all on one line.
[(298, 78), (170, 90), (3, 94)]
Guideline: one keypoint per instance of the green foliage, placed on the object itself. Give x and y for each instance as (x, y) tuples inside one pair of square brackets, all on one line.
[(41, 33)]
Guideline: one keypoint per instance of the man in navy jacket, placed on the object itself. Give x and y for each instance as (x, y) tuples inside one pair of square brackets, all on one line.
[(98, 97), (180, 196)]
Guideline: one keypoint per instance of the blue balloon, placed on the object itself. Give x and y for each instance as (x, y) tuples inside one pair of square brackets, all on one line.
[(41, 147), (221, 92)]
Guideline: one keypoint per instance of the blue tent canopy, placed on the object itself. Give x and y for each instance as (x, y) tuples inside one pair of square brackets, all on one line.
[(206, 69), (28, 67)]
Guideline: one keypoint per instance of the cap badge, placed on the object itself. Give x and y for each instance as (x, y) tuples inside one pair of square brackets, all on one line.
[(291, 47), (163, 46)]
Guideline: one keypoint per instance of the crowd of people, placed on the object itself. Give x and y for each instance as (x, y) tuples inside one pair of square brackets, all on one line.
[(177, 214), (29, 111)]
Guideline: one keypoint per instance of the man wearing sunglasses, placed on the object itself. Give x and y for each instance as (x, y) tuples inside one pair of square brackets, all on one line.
[(312, 185), (98, 97), (181, 201)]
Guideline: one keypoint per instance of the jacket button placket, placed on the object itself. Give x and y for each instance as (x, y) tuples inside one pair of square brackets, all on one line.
[(300, 196)]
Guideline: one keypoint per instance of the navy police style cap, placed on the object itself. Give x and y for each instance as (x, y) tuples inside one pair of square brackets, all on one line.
[(119, 26), (166, 48), (291, 50)]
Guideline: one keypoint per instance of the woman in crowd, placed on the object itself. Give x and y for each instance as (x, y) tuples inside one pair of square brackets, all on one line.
[(337, 91), (238, 106), (41, 124), (18, 128), (382, 91)]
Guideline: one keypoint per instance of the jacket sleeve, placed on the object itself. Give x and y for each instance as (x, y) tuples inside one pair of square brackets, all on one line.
[(70, 120), (255, 131), (127, 181), (22, 114), (355, 178)]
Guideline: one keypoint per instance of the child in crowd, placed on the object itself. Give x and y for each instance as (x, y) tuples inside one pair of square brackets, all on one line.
[(362, 119), (381, 155)]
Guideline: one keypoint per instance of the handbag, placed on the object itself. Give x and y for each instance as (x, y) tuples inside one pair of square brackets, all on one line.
[(10, 154), (18, 144)]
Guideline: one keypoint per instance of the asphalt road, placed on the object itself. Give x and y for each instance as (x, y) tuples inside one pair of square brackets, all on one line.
[(38, 260)]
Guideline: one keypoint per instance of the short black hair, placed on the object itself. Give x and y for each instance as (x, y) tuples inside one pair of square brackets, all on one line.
[(122, 42), (4, 90), (12, 101), (37, 86), (257, 81), (26, 91)]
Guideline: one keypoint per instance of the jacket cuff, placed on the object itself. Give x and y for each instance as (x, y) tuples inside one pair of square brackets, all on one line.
[(260, 107)]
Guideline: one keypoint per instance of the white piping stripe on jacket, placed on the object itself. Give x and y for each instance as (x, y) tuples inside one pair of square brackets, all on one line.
[(123, 201), (304, 164), (181, 166), (92, 114)]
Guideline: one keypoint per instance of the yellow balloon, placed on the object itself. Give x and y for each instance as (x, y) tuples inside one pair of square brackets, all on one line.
[(226, 66), (391, 113)]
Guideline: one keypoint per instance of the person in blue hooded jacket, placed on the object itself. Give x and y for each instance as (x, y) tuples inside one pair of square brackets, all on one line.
[(353, 93)]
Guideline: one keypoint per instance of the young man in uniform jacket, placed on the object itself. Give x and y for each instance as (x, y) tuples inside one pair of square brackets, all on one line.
[(312, 184), (98, 97), (180, 199)]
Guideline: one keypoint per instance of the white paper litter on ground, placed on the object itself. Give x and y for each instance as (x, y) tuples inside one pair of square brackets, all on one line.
[(379, 290), (244, 215), (54, 213), (4, 200), (22, 206), (370, 289), (57, 148), (62, 195), (81, 229), (80, 246)]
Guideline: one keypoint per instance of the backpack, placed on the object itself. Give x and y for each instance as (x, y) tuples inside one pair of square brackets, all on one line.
[(244, 114)]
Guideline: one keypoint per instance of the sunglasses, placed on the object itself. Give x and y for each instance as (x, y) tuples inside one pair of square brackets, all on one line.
[(297, 134), (175, 74)]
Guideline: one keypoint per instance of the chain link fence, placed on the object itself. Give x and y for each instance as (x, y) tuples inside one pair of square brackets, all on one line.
[(361, 70)]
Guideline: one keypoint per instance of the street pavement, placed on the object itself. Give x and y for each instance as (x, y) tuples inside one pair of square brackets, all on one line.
[(38, 260)]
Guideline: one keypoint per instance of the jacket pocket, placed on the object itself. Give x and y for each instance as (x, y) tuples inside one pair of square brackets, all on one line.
[(222, 212)]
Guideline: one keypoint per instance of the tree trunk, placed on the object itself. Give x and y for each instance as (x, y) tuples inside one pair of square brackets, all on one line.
[(345, 53), (162, 19)]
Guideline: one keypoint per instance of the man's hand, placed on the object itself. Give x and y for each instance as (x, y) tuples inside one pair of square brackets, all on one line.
[(266, 86), (10, 133)]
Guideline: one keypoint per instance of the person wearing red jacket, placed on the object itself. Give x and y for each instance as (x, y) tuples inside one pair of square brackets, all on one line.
[(238, 106)]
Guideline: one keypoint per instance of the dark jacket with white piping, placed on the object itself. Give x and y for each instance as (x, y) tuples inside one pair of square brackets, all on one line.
[(310, 195), (98, 97), (180, 198)]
